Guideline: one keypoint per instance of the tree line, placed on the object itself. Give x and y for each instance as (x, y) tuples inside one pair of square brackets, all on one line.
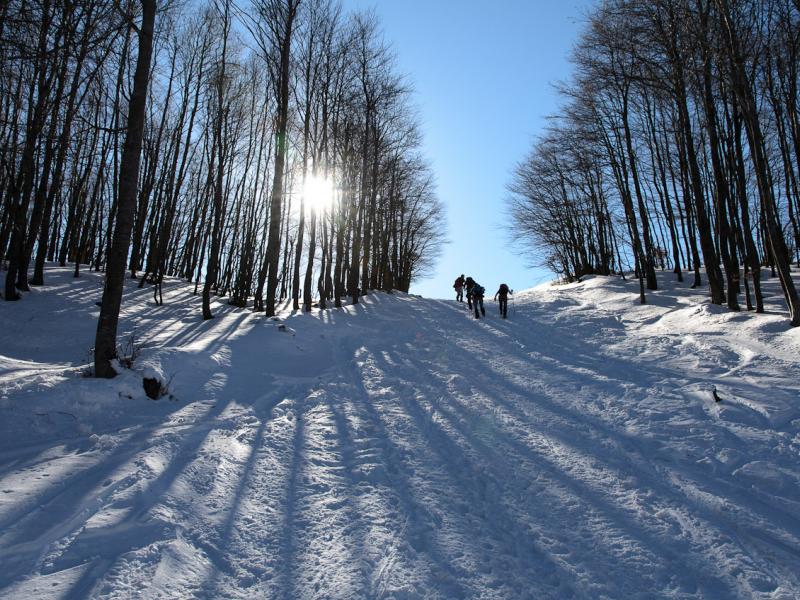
[(267, 151), (677, 146)]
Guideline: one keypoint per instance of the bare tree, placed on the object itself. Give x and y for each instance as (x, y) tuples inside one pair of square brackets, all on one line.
[(106, 339)]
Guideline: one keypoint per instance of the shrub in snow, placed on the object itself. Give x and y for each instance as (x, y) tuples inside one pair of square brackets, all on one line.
[(129, 352)]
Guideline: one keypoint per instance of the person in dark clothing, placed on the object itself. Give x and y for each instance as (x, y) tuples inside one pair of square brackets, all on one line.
[(477, 299), (458, 286), (503, 293), (469, 283)]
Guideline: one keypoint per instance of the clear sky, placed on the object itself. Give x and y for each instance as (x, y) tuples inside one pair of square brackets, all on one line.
[(483, 74)]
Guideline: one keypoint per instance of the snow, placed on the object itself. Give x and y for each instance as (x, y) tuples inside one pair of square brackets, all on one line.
[(400, 449)]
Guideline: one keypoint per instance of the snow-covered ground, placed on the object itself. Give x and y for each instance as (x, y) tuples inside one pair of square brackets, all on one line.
[(400, 449)]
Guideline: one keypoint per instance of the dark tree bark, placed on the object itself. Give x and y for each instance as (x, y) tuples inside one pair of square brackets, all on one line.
[(287, 12), (106, 339)]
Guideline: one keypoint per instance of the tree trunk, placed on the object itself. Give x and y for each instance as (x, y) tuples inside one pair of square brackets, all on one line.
[(281, 146), (106, 339)]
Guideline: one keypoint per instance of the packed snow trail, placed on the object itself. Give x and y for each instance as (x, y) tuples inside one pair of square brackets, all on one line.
[(400, 449)]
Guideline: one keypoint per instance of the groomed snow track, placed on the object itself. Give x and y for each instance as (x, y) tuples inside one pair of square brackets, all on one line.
[(401, 449)]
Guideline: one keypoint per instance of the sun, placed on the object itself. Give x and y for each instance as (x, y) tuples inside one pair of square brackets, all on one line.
[(319, 193)]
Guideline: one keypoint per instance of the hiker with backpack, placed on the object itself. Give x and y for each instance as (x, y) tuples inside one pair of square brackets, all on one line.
[(458, 286), (503, 292), (477, 299), (469, 284)]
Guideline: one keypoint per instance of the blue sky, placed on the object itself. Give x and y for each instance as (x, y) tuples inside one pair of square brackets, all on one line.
[(483, 74)]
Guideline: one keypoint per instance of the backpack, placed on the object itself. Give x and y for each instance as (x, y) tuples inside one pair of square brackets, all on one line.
[(503, 289), (459, 283), (478, 290)]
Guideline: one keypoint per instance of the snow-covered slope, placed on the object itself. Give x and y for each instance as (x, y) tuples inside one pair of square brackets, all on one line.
[(400, 449)]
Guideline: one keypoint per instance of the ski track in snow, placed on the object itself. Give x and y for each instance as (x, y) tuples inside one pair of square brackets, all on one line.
[(400, 449)]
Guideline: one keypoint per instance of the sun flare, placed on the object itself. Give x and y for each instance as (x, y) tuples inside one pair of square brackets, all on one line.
[(319, 193)]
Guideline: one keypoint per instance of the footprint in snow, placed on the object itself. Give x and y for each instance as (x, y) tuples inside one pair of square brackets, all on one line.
[(459, 385)]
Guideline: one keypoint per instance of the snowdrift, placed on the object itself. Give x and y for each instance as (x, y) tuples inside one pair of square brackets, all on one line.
[(400, 449)]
